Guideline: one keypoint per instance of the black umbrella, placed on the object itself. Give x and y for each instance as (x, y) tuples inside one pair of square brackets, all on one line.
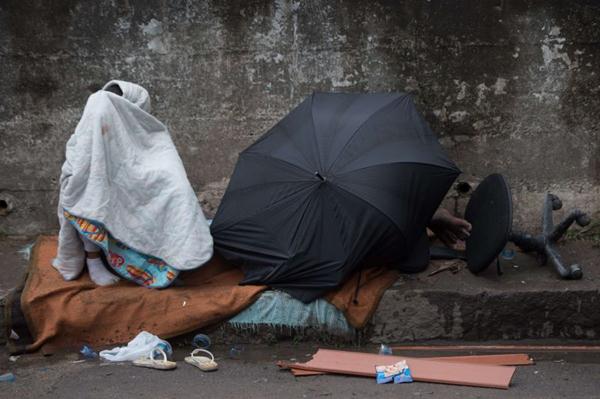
[(342, 178)]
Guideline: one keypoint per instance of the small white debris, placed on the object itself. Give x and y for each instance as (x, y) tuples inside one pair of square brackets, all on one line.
[(152, 28), (458, 116), (499, 86), (554, 31), (25, 252)]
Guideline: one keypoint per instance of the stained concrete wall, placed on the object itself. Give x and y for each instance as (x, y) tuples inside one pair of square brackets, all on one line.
[(511, 86)]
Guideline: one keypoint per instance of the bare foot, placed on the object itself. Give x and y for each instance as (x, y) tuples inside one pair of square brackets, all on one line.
[(448, 228)]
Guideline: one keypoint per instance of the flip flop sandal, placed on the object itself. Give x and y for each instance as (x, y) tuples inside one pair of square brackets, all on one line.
[(202, 362), (158, 364)]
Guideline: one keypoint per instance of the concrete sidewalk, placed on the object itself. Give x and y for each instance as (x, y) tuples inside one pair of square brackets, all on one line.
[(528, 301)]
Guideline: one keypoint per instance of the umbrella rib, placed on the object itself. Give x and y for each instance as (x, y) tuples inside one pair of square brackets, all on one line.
[(306, 206), (259, 211), (396, 162), (360, 126), (372, 206), (258, 154), (312, 120), (298, 149), (255, 186)]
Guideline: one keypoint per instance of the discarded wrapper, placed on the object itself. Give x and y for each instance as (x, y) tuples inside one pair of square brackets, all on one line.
[(398, 372)]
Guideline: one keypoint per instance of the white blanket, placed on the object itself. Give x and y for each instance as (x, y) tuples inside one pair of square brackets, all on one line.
[(123, 171)]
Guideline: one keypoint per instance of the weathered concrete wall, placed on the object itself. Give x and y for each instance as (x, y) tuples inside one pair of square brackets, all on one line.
[(511, 86)]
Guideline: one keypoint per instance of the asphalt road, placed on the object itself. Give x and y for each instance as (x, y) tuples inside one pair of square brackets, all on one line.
[(255, 375)]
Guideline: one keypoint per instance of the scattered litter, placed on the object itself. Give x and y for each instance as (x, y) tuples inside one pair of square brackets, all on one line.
[(260, 380), (138, 347), (78, 361), (25, 252), (201, 341), (13, 358), (8, 377), (236, 351), (150, 360), (397, 372), (453, 268), (88, 353), (385, 350), (507, 254), (535, 372), (425, 370), (514, 359), (204, 363), (523, 282), (515, 266), (184, 303), (14, 335)]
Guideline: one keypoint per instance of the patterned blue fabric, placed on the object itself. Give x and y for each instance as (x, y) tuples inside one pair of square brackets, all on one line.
[(142, 269)]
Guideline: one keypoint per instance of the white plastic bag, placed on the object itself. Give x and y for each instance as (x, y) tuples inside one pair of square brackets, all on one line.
[(138, 347)]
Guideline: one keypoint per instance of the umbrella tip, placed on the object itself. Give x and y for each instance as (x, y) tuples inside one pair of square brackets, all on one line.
[(320, 177)]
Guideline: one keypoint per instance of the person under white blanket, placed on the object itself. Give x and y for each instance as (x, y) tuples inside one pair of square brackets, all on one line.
[(124, 193)]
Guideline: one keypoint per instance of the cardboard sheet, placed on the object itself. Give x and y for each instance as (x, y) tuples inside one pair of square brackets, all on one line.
[(425, 370)]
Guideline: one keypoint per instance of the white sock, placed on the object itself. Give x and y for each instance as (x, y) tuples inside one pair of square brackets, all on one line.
[(98, 272)]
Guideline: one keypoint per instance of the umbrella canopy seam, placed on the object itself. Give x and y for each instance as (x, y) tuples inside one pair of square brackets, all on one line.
[(401, 97), (372, 206), (258, 154), (314, 132), (217, 228), (391, 163)]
